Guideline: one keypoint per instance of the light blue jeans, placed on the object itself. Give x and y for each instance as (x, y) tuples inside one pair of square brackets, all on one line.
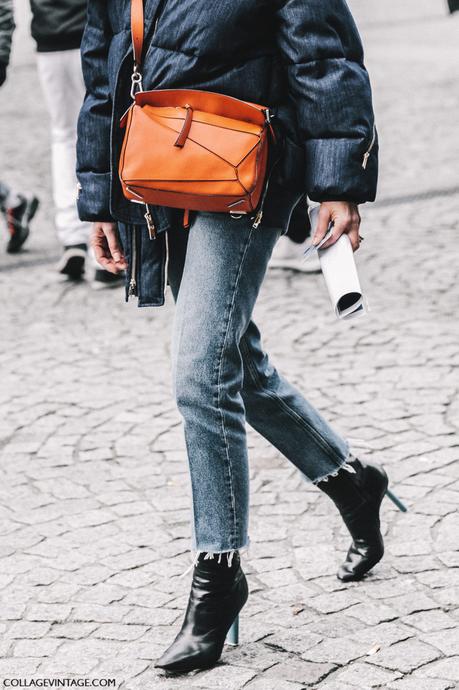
[(222, 377)]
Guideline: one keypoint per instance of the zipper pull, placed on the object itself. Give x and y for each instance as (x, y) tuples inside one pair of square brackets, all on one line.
[(150, 224), (258, 218), (367, 153), (132, 287)]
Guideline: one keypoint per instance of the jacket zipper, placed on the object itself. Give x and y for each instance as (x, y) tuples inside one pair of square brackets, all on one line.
[(367, 153), (133, 279), (259, 214)]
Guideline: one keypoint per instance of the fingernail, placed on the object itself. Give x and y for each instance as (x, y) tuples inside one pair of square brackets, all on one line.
[(117, 257)]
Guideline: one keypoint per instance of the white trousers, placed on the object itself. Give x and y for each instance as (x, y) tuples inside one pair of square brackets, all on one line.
[(63, 88)]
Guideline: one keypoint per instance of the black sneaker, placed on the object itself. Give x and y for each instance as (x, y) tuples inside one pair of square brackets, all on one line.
[(105, 279), (72, 261), (18, 219)]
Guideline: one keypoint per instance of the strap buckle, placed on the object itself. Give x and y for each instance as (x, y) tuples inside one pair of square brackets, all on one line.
[(136, 82)]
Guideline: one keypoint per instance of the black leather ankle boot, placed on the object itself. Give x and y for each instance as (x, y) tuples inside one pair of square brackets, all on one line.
[(218, 593), (358, 497)]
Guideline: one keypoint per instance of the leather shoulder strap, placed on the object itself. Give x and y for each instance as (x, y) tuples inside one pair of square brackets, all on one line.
[(137, 30)]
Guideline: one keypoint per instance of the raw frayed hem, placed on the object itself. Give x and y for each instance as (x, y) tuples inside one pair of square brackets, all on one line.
[(344, 466), (218, 555)]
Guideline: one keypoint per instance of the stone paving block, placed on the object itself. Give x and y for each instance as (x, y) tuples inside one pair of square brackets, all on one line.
[(373, 613), (416, 564), (16, 666), (430, 621), (336, 625), (64, 666), (99, 614), (111, 631), (299, 671), (253, 656), (11, 611), (48, 612), (384, 634), (293, 640), (27, 630), (340, 601), (279, 578), (103, 594), (447, 641), (405, 656), (120, 668), (72, 631), (152, 616), (446, 596), (447, 669), (36, 648), (224, 677), (412, 603), (338, 651), (364, 675)]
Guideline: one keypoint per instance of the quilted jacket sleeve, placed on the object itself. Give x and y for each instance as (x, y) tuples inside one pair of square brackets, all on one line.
[(94, 124), (6, 30), (322, 51)]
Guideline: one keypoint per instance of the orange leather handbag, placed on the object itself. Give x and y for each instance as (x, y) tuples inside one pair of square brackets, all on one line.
[(194, 150)]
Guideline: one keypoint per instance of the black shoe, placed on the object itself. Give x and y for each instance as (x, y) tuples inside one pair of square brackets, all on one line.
[(72, 262), (105, 279), (358, 497), (18, 219), (218, 593)]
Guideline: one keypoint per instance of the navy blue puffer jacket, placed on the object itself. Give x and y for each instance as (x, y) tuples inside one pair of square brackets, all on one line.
[(302, 58)]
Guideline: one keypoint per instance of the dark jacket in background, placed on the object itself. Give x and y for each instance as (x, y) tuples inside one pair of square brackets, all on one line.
[(6, 30), (58, 24)]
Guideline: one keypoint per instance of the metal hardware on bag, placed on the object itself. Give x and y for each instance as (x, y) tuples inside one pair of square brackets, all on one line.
[(136, 83), (150, 224), (257, 220), (236, 216), (131, 191)]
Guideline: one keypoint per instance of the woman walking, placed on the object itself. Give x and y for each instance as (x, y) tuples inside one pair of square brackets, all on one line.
[(302, 59)]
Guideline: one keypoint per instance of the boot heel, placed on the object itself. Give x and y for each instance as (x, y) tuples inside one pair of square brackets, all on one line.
[(396, 501), (232, 637)]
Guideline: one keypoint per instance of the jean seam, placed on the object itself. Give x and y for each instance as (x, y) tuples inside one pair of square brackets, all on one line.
[(322, 442), (219, 386)]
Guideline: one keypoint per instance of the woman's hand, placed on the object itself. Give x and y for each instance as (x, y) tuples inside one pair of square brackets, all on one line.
[(345, 218), (107, 247)]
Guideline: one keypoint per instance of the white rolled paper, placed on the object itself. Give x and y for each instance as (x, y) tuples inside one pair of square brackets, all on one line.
[(340, 274)]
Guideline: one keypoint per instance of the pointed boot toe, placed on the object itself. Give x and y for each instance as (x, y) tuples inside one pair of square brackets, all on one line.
[(181, 658), (360, 560), (218, 593)]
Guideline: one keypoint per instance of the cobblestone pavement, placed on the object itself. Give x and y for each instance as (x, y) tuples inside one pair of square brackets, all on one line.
[(94, 492)]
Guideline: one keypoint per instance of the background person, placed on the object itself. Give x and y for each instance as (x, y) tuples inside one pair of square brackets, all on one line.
[(57, 27), (17, 209)]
